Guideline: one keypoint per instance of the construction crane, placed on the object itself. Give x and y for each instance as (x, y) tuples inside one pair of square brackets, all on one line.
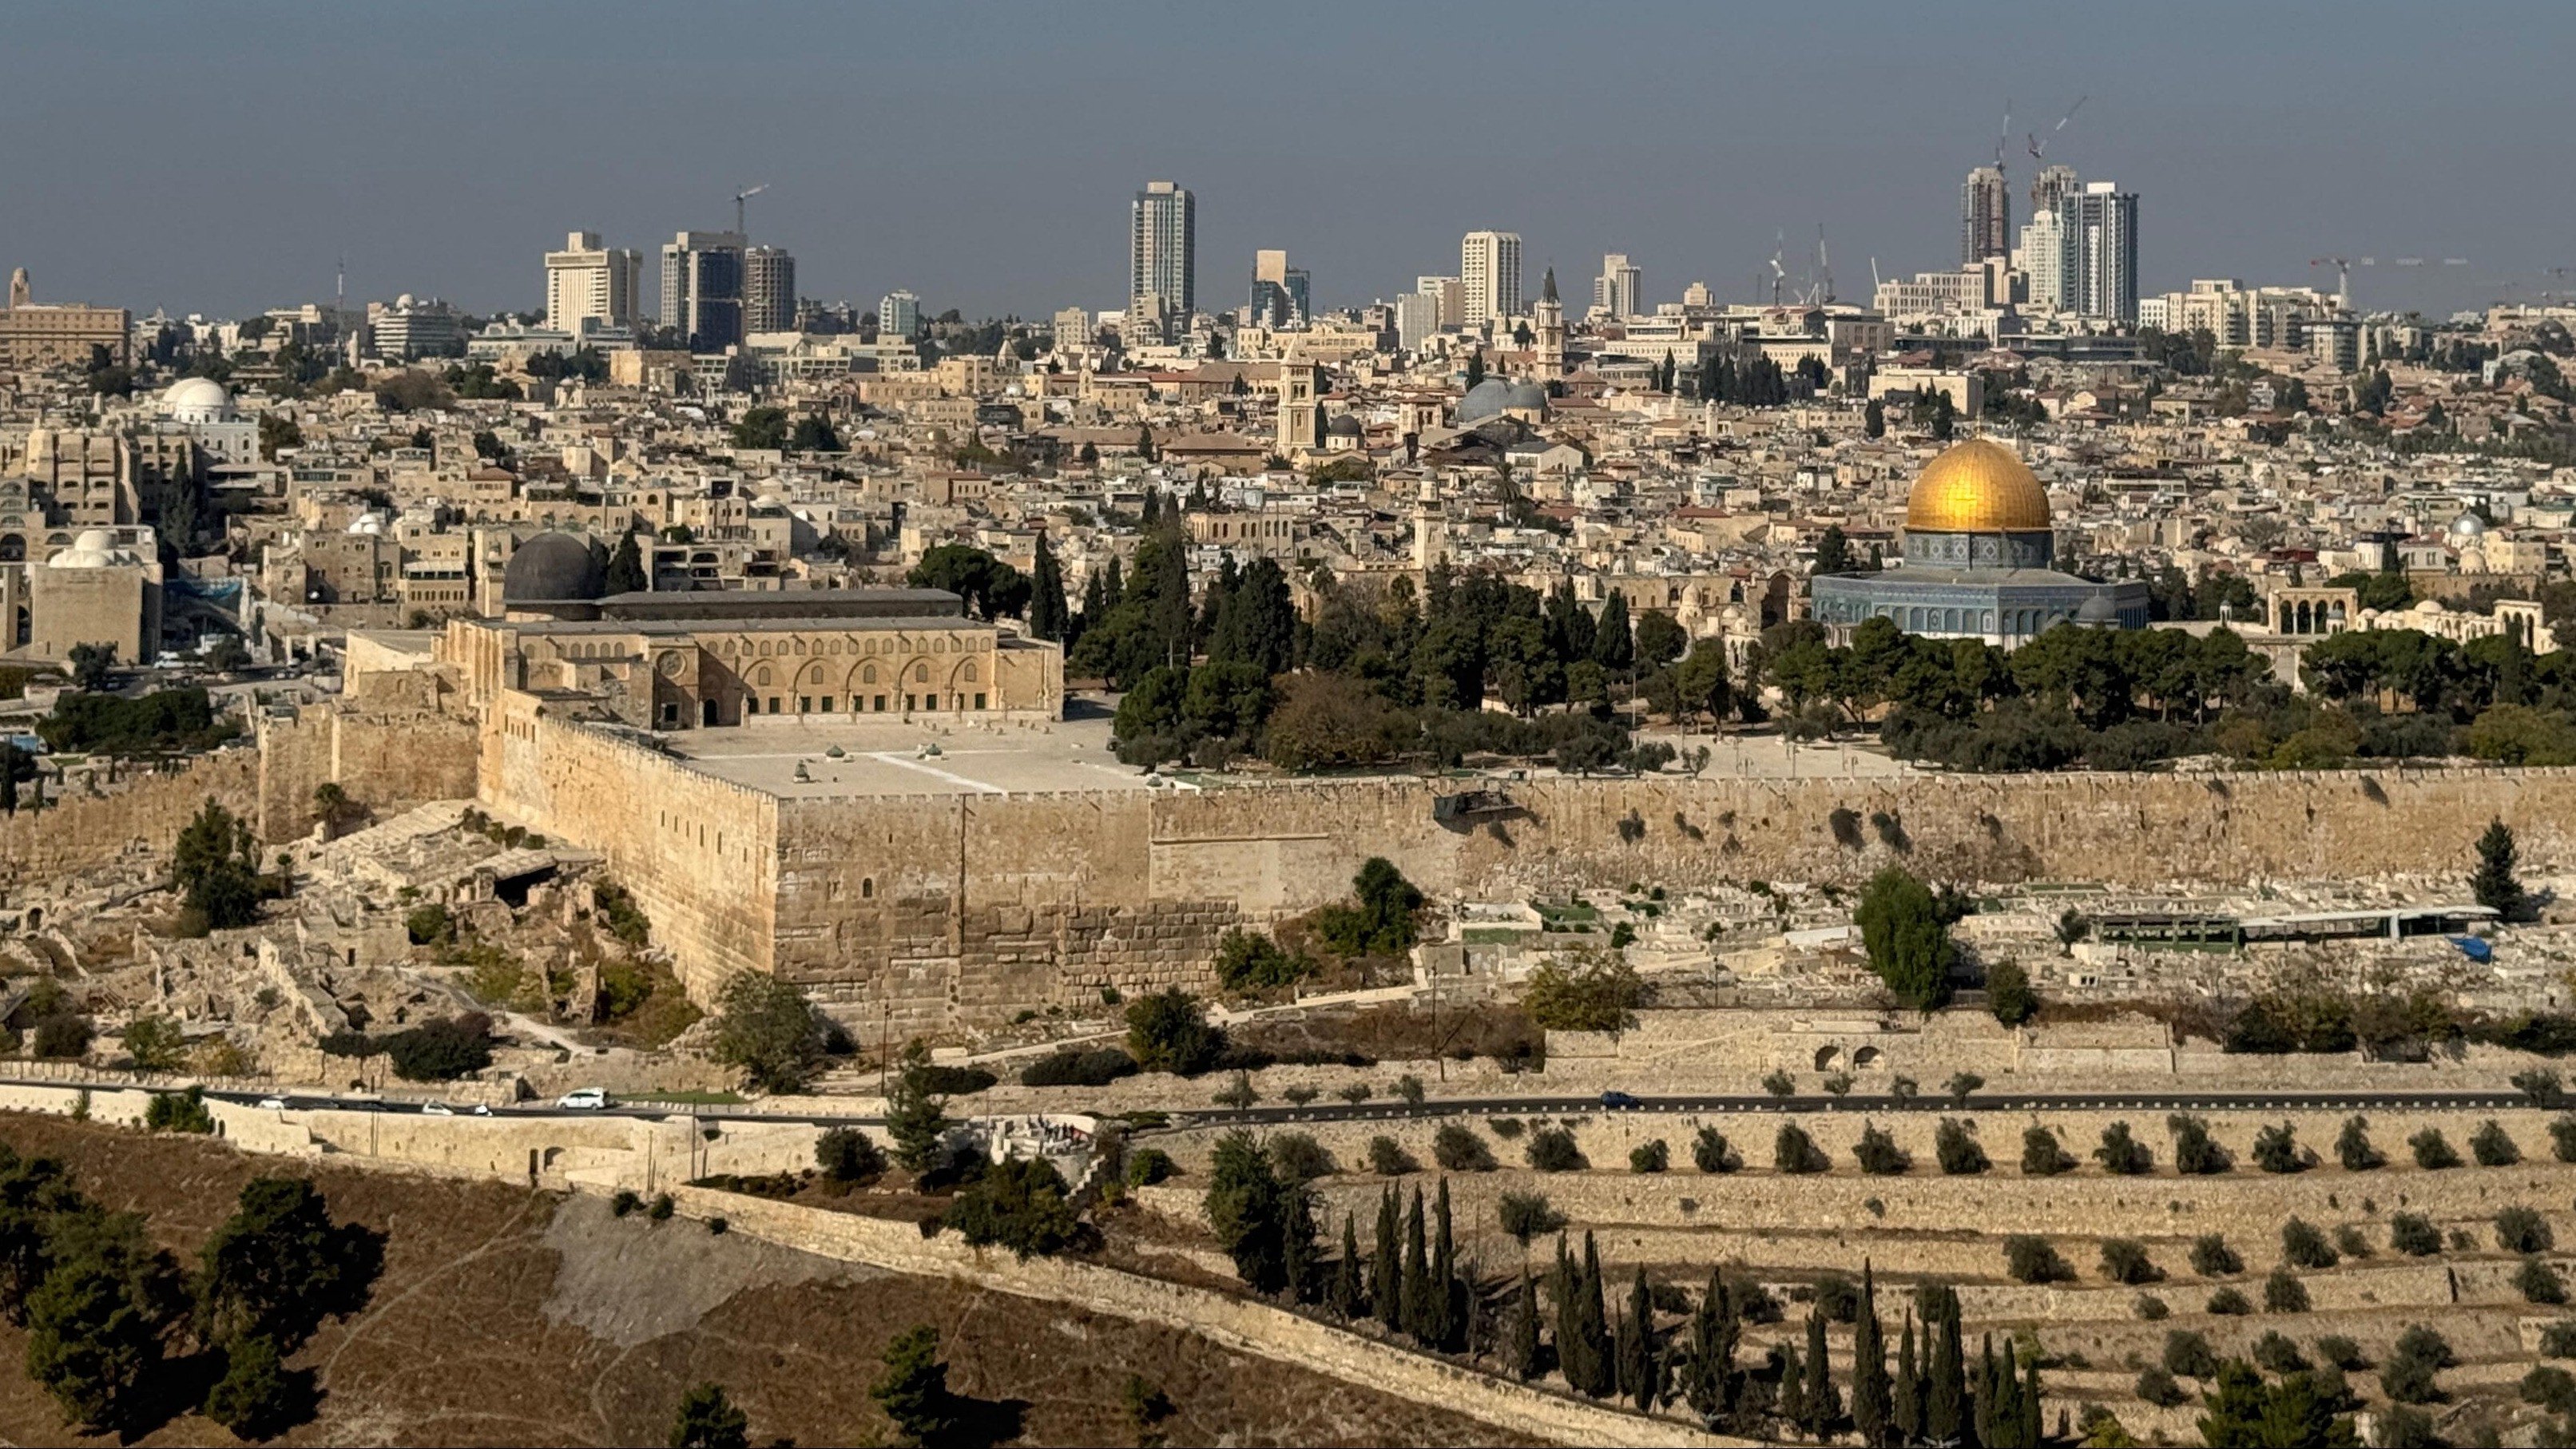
[(2343, 270), (1779, 273), (2038, 147), (739, 197)]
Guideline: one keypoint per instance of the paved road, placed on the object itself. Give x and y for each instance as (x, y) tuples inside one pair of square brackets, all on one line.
[(1541, 1106), (2466, 1101)]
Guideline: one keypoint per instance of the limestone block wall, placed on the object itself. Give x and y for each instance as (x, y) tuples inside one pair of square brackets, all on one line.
[(387, 761), (82, 832), (699, 853)]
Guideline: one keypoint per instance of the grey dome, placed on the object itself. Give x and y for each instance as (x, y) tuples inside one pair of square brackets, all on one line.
[(552, 566), (2468, 525), (1494, 397), (1343, 425), (2098, 610)]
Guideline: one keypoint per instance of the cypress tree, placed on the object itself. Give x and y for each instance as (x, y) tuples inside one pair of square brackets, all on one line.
[(1416, 1301), (2030, 1405), (1522, 1350), (1824, 1406), (1344, 1299), (1945, 1394), (1386, 1276), (1614, 642), (1708, 1377), (1046, 593), (1982, 1387), (1907, 1410), (1596, 1325), (1791, 1406), (1637, 1362), (1566, 1288), (1299, 1253), (1869, 1400), (1447, 1317)]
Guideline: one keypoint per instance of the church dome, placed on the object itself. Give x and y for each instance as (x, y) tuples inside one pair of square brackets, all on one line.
[(1976, 487), (95, 548), (2467, 526), (1495, 396), (552, 566), (197, 400)]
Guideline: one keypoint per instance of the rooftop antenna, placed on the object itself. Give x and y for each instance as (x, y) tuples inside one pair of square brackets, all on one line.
[(739, 197)]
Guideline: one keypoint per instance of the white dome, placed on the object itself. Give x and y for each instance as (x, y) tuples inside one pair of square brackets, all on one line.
[(197, 400), (95, 548), (2468, 525)]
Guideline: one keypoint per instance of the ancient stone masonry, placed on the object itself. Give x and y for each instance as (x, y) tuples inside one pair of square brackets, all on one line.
[(80, 833), (946, 908)]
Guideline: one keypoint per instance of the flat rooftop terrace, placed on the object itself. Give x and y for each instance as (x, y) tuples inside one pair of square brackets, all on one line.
[(886, 759), (997, 757)]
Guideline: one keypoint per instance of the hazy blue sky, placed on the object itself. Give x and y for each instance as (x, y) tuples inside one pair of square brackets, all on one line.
[(217, 157)]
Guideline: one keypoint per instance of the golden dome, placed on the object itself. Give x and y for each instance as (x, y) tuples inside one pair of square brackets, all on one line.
[(1976, 487)]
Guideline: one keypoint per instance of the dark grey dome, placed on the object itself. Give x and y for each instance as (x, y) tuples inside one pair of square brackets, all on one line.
[(1343, 425), (1495, 396), (552, 566), (2098, 610)]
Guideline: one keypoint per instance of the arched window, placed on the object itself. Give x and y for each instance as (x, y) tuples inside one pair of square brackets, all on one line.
[(867, 888), (970, 672), (921, 674), (868, 674)]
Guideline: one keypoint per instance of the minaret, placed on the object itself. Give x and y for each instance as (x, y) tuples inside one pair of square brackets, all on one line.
[(1548, 322), (1430, 532), (19, 295)]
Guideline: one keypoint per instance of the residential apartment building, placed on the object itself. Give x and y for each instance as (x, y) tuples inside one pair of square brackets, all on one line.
[(1489, 274), (587, 283)]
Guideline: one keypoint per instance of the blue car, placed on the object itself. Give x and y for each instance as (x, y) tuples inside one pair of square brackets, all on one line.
[(1618, 1099)]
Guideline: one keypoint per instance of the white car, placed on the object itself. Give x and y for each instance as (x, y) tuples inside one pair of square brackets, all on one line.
[(272, 1104), (436, 1109), (583, 1099)]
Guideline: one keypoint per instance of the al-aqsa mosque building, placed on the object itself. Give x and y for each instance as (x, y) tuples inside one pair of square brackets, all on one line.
[(1979, 562)]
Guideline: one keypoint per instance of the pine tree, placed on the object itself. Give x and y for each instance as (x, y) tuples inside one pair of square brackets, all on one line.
[(2494, 885), (1522, 1349), (626, 567), (1907, 1410), (1824, 1406), (1046, 594), (1299, 1253), (1386, 1277), (1344, 1299), (1637, 1371), (1869, 1365), (1417, 1275), (1447, 1311)]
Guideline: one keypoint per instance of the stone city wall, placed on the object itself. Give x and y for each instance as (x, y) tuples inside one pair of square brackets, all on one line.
[(946, 909), (699, 854), (81, 832), (1243, 1325), (387, 761)]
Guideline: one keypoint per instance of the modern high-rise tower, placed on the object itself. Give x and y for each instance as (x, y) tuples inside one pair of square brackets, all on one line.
[(1616, 290), (1489, 268), (899, 314), (702, 288), (586, 282), (2051, 185), (1985, 216), (1162, 249), (2098, 245), (768, 290)]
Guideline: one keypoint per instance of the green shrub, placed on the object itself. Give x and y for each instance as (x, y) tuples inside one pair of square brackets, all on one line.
[(179, 1112), (2341, 1352), (2187, 1354), (2520, 1230), (2414, 1235), (846, 1154), (1299, 1157), (1069, 1068), (1458, 1149), (2432, 1150), (1954, 1144), (1552, 1149), (2539, 1283), (1147, 1166), (2151, 1309), (1710, 1152), (1793, 1151), (2229, 1303), (2196, 1153), (1251, 961), (1878, 1154), (2493, 1147), (2030, 1259), (1650, 1157), (2558, 1340), (2305, 1247), (2156, 1385), (2122, 1155), (2041, 1155), (2275, 1352), (1387, 1158), (2284, 1293), (1017, 1203), (2125, 1260), (2212, 1258)]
